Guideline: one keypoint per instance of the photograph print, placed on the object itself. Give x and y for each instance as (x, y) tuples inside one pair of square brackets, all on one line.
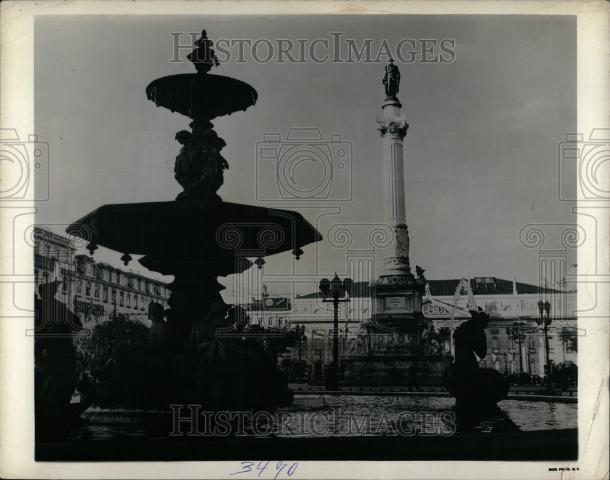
[(331, 237)]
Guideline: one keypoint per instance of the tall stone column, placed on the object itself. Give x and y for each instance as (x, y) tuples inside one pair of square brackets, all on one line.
[(392, 126), (398, 293)]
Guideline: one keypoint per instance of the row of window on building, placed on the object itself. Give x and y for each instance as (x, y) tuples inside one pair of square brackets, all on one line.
[(92, 287), (102, 272), (108, 294)]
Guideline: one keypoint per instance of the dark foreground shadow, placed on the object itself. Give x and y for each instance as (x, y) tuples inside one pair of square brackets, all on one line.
[(538, 445)]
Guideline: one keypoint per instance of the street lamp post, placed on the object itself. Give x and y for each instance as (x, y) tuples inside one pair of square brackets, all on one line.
[(300, 331), (545, 310), (47, 262), (516, 332), (114, 294), (337, 290)]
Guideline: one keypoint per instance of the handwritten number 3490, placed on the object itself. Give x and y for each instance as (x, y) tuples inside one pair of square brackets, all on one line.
[(247, 467)]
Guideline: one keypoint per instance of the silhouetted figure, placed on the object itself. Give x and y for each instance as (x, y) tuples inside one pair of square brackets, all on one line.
[(87, 392), (431, 340), (54, 361), (207, 329), (476, 390), (238, 317), (228, 364), (157, 334), (469, 340), (414, 375)]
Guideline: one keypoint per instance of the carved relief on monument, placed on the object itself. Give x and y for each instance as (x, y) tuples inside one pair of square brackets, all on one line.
[(430, 309), (402, 241), (397, 127)]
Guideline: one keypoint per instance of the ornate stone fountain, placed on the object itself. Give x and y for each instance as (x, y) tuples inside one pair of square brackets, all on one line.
[(198, 237)]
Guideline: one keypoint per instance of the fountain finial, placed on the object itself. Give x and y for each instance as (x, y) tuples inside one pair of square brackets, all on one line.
[(203, 55)]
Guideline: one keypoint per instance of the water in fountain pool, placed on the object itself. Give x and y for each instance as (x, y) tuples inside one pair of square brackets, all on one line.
[(357, 415)]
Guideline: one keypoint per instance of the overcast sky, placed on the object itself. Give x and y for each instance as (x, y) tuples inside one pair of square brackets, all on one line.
[(480, 153)]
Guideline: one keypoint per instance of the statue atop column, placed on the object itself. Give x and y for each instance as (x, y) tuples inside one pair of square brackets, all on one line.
[(391, 80)]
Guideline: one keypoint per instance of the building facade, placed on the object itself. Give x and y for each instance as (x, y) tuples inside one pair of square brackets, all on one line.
[(98, 292), (515, 341), (95, 291)]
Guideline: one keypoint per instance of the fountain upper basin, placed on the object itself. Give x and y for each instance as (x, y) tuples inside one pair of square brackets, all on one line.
[(201, 95), (177, 232)]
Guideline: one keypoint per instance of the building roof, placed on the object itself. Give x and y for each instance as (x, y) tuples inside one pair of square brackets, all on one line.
[(479, 286)]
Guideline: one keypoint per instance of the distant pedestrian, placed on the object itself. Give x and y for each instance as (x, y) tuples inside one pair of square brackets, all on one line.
[(54, 359), (157, 335)]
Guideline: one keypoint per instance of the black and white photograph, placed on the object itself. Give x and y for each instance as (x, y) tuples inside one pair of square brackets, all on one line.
[(271, 239)]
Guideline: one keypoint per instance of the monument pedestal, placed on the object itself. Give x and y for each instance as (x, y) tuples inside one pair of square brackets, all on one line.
[(412, 370), (398, 354), (398, 308)]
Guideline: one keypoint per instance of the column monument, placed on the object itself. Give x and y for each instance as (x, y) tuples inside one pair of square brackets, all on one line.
[(403, 348), (393, 128), (398, 291)]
